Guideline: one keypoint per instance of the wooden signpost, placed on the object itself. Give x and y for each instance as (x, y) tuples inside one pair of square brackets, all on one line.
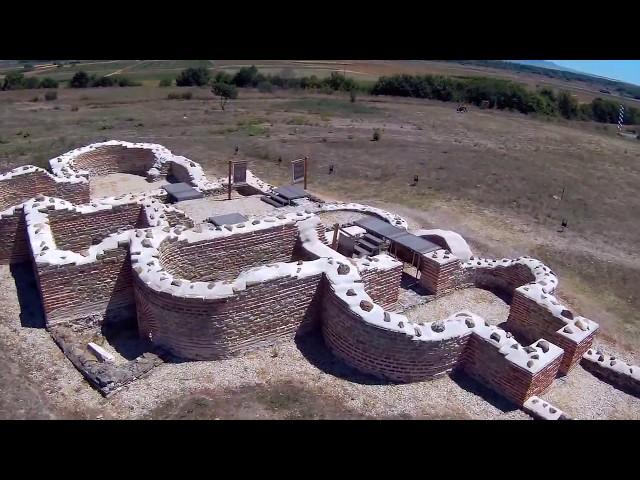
[(237, 174), (299, 171)]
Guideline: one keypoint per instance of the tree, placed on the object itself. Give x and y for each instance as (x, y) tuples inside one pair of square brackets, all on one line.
[(225, 91), (13, 81), (31, 82), (48, 83), (79, 80), (223, 77), (193, 77), (567, 105), (246, 77)]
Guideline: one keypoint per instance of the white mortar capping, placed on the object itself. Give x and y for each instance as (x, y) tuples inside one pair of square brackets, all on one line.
[(544, 276), (457, 245), (610, 362), (392, 218)]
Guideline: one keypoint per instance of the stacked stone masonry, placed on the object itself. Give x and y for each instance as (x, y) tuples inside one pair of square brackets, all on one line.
[(204, 292)]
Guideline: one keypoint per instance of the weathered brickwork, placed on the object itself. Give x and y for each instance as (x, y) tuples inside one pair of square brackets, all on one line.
[(14, 247), (77, 231), (529, 320), (503, 279), (92, 293), (224, 258), (213, 329), (383, 286), (397, 357), (115, 159), (382, 353), (437, 276), (20, 187), (487, 365)]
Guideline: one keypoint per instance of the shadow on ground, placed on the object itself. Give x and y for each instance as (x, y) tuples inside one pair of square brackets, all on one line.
[(31, 311), (488, 395), (275, 401), (313, 348)]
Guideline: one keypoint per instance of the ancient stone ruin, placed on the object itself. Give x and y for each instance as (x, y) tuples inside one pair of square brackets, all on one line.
[(197, 291)]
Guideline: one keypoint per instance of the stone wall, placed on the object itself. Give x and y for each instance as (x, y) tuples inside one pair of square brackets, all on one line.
[(224, 258), (96, 292), (383, 285), (396, 356), (14, 247), (108, 159), (487, 364), (612, 370), (386, 354), (529, 319), (439, 272), (213, 329), (76, 231), (24, 183)]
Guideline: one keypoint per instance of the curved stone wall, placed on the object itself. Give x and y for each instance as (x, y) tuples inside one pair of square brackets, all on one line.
[(107, 159)]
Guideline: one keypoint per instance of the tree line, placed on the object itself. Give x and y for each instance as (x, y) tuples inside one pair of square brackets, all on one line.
[(81, 79), (503, 94)]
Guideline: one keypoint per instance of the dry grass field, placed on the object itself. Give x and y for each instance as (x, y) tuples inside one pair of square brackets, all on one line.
[(492, 176)]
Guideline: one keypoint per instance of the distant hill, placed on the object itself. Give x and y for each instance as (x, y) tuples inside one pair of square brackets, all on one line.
[(546, 64)]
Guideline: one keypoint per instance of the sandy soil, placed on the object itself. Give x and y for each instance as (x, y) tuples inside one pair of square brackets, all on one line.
[(120, 183)]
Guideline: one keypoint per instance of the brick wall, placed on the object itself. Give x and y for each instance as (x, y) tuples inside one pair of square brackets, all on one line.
[(397, 357), (214, 329), (20, 188), (14, 247), (92, 293), (439, 277), (77, 231), (224, 258), (529, 321), (485, 363), (504, 279), (383, 286), (115, 159), (383, 353)]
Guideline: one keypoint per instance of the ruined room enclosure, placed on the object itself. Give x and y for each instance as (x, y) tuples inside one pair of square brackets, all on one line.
[(142, 280)]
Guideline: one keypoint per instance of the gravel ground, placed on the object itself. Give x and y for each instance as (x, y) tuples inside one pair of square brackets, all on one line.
[(478, 301), (46, 380), (203, 208), (341, 217), (120, 183)]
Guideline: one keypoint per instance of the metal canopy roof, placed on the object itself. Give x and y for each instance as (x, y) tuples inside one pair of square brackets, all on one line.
[(228, 219), (416, 244), (177, 187), (380, 227), (291, 192), (397, 235)]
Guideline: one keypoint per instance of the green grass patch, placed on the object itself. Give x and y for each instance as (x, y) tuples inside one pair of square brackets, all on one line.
[(328, 106)]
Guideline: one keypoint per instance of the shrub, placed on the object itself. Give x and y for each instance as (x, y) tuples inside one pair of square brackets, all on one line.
[(352, 96), (165, 82), (126, 82), (48, 83), (13, 81), (79, 80), (74, 108), (102, 82), (376, 135), (223, 77), (225, 91), (265, 87), (180, 96), (51, 95), (246, 77), (193, 77), (31, 83), (567, 105), (35, 99)]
